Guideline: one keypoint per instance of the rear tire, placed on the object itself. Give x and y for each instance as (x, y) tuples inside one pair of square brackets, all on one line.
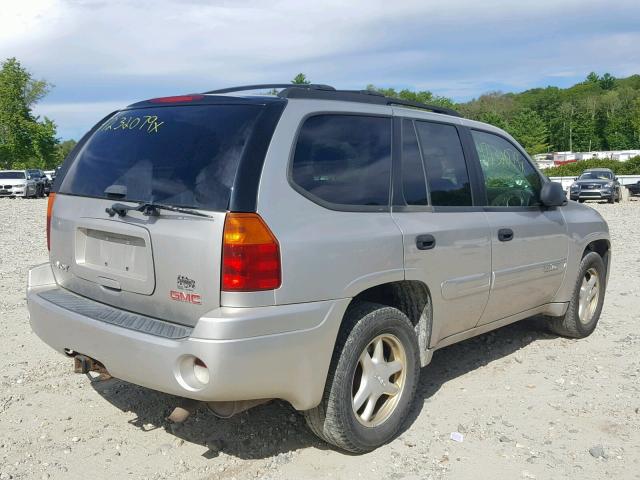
[(585, 306), (354, 415), (580, 200)]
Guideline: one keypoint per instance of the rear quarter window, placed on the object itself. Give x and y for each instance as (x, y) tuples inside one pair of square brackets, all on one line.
[(344, 161), (449, 183)]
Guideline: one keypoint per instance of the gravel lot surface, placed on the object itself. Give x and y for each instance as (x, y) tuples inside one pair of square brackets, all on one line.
[(528, 404)]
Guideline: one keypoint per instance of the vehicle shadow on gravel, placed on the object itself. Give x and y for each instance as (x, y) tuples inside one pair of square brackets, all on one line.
[(275, 428), (264, 431)]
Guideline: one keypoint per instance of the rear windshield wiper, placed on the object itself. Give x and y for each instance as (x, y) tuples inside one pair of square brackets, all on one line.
[(150, 209)]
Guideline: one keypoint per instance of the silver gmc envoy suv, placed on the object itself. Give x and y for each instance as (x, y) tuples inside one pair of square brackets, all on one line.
[(315, 246)]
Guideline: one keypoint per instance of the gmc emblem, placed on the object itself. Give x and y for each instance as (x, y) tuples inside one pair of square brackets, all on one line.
[(193, 298)]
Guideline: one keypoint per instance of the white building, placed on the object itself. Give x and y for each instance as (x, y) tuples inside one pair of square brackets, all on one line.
[(626, 155), (546, 160)]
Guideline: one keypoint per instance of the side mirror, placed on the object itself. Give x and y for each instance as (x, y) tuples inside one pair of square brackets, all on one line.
[(553, 195)]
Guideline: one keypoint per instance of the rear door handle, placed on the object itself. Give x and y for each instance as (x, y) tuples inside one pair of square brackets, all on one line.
[(505, 234), (425, 242)]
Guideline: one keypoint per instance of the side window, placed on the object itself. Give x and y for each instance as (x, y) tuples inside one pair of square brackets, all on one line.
[(446, 168), (414, 184), (344, 159), (509, 178)]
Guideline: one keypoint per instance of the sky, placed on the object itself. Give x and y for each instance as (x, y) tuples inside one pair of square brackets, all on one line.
[(101, 55)]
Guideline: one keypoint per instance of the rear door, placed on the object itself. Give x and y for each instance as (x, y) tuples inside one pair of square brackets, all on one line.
[(529, 243), (446, 239), (164, 264)]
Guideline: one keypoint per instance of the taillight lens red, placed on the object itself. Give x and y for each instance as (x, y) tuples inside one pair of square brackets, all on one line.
[(177, 99), (250, 254), (52, 199)]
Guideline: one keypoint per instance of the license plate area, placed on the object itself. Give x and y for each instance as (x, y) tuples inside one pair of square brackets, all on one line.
[(118, 257)]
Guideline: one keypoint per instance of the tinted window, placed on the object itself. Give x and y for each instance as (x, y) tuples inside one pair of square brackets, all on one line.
[(414, 184), (12, 175), (179, 155), (446, 168), (344, 159), (510, 179), (596, 176)]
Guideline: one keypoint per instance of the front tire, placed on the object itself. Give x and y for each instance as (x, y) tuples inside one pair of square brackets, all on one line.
[(585, 306), (371, 382)]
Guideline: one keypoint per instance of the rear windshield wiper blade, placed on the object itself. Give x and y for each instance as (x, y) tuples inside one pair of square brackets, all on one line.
[(153, 209), (150, 209)]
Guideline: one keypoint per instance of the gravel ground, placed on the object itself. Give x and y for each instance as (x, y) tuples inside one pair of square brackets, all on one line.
[(528, 404)]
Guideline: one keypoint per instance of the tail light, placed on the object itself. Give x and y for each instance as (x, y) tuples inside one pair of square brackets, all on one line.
[(250, 254), (177, 99), (52, 198)]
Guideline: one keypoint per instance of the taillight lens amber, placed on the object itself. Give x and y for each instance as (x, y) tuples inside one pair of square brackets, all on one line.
[(52, 199), (250, 254)]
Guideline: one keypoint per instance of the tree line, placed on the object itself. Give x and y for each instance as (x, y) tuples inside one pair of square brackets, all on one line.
[(26, 141), (600, 113)]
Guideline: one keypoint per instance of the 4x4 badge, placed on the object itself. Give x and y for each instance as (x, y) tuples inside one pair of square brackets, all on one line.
[(185, 283)]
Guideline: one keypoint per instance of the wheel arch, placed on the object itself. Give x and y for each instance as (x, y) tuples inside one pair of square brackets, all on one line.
[(411, 297), (602, 247)]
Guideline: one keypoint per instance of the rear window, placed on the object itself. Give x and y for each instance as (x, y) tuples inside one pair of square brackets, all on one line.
[(184, 156), (12, 175), (344, 160)]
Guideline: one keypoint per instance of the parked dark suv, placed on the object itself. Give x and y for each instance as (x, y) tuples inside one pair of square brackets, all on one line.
[(596, 184), (42, 182)]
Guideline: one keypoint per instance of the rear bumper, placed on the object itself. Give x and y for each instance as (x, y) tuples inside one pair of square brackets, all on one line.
[(291, 364)]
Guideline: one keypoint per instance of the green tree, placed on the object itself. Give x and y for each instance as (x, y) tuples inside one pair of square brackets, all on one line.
[(635, 120), (593, 78), (492, 118), (607, 81), (300, 79), (600, 113), (421, 96), (530, 130), (25, 140), (64, 148)]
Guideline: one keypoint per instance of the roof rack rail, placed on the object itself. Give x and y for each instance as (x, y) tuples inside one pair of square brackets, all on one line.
[(424, 106), (306, 86), (327, 92), (364, 96)]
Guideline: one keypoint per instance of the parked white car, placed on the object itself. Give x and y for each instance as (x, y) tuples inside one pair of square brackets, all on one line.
[(17, 183)]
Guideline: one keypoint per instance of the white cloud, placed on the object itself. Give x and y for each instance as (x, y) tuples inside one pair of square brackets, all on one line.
[(75, 118), (96, 50)]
